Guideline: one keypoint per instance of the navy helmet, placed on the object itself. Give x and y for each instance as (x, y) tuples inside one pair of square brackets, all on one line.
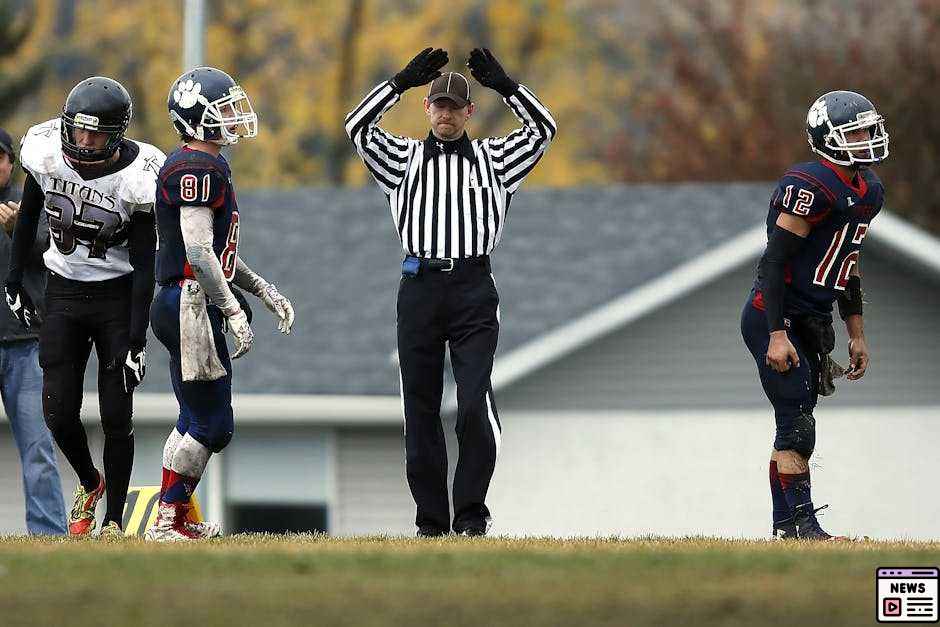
[(98, 104), (838, 112), (207, 104)]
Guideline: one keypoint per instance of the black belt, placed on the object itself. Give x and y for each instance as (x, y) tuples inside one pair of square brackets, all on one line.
[(411, 265)]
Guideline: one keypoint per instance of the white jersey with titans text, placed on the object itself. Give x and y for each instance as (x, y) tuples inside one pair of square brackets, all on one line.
[(88, 220)]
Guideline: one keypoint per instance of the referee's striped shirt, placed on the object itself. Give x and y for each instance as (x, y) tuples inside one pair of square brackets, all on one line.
[(449, 201)]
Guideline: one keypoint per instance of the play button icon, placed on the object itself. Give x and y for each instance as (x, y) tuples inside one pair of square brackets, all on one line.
[(891, 606)]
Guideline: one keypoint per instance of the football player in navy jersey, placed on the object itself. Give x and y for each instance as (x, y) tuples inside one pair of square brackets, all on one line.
[(198, 224), (819, 215), (96, 188)]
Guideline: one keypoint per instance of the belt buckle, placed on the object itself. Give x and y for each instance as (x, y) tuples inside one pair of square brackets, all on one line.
[(449, 268)]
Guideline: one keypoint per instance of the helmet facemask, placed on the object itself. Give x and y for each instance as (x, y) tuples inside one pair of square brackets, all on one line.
[(233, 116), (840, 150)]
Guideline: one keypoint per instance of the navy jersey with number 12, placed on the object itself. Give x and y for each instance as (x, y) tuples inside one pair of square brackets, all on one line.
[(192, 178), (840, 212)]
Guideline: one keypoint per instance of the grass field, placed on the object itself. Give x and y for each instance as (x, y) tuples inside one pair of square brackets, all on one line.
[(317, 580)]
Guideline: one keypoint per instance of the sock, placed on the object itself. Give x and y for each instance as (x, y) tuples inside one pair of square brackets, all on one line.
[(169, 449), (781, 508), (178, 487), (796, 490), (189, 462), (118, 461), (73, 443)]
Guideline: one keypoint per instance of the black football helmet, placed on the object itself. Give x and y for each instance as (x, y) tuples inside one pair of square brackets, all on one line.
[(207, 104), (96, 104), (838, 112)]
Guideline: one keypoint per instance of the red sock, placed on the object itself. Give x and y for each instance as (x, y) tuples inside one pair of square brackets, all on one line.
[(165, 482)]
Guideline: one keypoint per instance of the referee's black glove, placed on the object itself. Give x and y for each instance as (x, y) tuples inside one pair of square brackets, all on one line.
[(421, 70), (486, 69), (20, 304)]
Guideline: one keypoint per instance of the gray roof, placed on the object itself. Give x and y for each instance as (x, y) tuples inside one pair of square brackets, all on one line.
[(335, 254)]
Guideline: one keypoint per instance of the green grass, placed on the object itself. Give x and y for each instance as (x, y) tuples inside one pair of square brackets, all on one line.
[(270, 581)]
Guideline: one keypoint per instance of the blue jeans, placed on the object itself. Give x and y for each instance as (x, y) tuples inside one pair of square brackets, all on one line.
[(21, 390)]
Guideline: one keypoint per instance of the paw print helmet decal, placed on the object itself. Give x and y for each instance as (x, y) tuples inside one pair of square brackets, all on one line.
[(207, 104), (836, 113)]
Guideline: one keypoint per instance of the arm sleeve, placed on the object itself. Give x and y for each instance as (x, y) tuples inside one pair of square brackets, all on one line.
[(24, 233), (384, 155), (142, 243), (781, 247), (516, 154), (248, 279), (196, 227)]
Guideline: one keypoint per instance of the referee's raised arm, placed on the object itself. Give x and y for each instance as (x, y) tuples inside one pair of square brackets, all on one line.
[(516, 154), (449, 197), (384, 154)]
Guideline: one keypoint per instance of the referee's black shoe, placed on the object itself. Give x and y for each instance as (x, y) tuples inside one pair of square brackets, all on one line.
[(431, 532)]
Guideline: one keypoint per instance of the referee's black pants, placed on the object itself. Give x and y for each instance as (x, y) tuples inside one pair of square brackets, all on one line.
[(459, 307)]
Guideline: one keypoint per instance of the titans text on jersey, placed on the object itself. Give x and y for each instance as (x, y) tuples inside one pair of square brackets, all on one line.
[(88, 220)]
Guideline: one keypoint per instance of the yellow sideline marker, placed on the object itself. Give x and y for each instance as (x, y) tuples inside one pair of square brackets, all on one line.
[(140, 510)]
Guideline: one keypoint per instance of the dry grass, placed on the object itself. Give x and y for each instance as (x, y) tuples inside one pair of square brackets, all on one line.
[(319, 580)]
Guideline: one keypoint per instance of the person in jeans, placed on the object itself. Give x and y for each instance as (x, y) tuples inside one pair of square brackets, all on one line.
[(21, 377)]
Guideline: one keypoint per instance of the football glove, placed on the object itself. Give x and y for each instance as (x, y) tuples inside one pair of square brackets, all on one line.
[(421, 70), (20, 304), (238, 323), (278, 304), (135, 365), (488, 72)]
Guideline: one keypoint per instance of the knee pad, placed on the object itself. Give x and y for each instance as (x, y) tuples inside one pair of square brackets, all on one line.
[(216, 435), (797, 434)]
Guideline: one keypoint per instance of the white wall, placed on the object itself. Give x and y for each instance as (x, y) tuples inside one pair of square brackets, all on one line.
[(678, 473)]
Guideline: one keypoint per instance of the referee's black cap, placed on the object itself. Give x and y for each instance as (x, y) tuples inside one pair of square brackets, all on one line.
[(453, 86), (6, 144)]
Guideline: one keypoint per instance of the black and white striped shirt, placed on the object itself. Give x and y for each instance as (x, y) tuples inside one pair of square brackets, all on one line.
[(449, 201)]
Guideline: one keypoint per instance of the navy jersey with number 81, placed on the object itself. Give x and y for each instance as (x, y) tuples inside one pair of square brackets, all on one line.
[(195, 179), (840, 212)]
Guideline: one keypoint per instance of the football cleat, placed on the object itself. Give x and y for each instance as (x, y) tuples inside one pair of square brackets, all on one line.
[(82, 515), (431, 532), (170, 524), (785, 529), (111, 531), (808, 528), (205, 529)]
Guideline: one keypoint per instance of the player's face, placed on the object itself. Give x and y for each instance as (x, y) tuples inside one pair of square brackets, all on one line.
[(447, 119), (6, 169), (859, 135), (89, 139)]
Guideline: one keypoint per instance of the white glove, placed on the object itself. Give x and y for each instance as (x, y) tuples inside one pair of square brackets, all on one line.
[(244, 336), (278, 304)]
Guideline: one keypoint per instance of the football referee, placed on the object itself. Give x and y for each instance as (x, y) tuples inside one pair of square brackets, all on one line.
[(449, 198)]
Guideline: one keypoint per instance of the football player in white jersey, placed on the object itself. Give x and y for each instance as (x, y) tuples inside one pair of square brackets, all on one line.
[(97, 189)]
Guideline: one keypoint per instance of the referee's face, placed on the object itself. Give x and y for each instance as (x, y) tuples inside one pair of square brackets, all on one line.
[(447, 119)]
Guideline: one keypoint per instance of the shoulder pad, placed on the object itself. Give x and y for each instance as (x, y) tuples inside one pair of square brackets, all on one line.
[(139, 180), (41, 148), (194, 181), (802, 193)]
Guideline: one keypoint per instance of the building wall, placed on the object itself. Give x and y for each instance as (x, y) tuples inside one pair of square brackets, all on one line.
[(705, 473), (690, 354)]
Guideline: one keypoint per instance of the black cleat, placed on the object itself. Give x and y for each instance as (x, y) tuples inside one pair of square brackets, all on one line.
[(785, 529), (807, 527), (475, 529), (431, 532)]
